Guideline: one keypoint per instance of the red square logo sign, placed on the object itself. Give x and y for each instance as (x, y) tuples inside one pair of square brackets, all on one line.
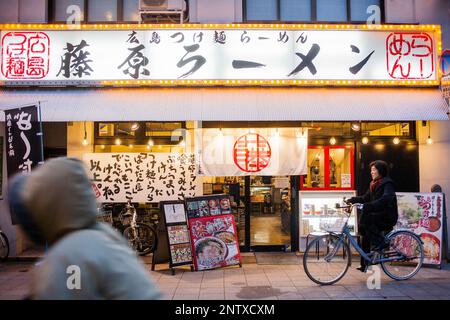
[(25, 55), (410, 55)]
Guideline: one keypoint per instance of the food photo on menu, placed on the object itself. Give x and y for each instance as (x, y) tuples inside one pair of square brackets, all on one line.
[(214, 242), (422, 214), (178, 234), (181, 253)]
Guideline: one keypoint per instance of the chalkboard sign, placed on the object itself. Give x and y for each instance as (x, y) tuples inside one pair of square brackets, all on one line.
[(174, 242)]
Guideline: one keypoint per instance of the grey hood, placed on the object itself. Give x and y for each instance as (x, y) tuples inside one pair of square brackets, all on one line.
[(53, 200)]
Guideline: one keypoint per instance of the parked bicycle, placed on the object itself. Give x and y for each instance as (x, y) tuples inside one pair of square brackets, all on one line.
[(328, 257), (4, 246), (140, 236)]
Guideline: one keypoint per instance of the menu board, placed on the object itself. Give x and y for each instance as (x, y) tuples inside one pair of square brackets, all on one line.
[(177, 233), (208, 206), (214, 240), (422, 213), (175, 213)]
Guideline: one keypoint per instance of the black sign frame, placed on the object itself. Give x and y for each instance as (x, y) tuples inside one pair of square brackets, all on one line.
[(163, 253)]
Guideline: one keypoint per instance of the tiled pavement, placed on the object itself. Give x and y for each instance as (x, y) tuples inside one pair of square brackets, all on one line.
[(254, 281)]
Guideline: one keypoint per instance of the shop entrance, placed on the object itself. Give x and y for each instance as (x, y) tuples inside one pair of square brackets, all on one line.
[(270, 213), (262, 207)]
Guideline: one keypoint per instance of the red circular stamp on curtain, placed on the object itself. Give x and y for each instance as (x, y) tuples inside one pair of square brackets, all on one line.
[(252, 152)]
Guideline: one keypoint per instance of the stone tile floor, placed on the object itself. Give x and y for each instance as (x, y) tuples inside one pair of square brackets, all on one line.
[(254, 281)]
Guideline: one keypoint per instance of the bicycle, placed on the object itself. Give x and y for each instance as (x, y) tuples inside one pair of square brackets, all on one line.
[(140, 236), (4, 246), (401, 257)]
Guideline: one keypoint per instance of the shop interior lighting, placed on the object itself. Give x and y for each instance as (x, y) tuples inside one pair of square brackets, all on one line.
[(85, 142), (396, 140), (134, 126), (365, 140), (255, 82), (150, 143), (118, 142), (356, 126), (332, 141)]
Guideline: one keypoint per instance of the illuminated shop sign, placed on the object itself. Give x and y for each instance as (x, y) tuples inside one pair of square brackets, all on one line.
[(220, 55)]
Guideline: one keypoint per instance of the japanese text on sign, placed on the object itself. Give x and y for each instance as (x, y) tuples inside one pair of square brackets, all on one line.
[(143, 177), (178, 54)]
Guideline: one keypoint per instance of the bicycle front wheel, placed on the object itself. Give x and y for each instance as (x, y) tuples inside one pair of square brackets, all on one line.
[(4, 247), (142, 238), (406, 250), (326, 259)]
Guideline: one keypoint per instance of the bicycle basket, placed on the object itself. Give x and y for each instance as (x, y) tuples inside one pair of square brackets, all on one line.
[(332, 224)]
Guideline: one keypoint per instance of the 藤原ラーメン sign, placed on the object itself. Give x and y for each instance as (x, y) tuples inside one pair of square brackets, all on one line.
[(142, 177), (240, 55)]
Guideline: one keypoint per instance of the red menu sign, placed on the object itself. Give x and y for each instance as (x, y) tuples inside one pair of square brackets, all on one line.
[(422, 213), (214, 242)]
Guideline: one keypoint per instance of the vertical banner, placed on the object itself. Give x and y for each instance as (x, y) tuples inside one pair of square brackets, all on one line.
[(422, 213), (23, 141), (260, 151)]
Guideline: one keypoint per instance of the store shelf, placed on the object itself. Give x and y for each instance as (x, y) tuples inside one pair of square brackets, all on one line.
[(322, 201)]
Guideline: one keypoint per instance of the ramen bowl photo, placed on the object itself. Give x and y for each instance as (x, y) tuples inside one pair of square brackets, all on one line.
[(210, 251)]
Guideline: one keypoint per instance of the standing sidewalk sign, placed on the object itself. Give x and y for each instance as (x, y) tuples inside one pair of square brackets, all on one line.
[(174, 245), (199, 232), (423, 214), (213, 232)]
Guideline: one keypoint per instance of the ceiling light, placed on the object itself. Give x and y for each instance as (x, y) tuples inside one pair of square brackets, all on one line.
[(333, 141), (356, 126), (396, 140)]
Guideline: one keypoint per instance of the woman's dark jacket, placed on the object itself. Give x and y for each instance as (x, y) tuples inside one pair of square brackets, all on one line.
[(381, 202)]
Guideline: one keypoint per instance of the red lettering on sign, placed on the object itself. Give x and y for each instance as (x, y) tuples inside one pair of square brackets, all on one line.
[(409, 55), (25, 55)]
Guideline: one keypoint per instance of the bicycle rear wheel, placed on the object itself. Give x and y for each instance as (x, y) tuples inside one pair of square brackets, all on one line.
[(145, 240), (326, 259), (407, 248), (4, 247)]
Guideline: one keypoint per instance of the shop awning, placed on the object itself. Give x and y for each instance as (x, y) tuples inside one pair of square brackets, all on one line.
[(231, 104)]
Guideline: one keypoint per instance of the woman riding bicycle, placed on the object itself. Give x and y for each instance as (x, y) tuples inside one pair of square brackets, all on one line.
[(379, 213)]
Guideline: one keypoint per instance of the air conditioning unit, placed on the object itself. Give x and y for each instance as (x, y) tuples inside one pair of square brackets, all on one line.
[(161, 5)]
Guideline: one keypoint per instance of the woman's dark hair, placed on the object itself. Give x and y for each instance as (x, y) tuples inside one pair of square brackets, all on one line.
[(381, 166)]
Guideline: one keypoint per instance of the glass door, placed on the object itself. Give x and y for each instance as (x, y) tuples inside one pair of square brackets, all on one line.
[(270, 213)]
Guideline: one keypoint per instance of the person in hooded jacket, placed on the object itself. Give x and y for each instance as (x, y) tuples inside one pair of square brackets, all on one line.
[(379, 213), (87, 260)]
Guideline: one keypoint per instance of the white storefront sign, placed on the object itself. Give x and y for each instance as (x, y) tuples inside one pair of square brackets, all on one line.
[(142, 177), (37, 56), (261, 151)]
